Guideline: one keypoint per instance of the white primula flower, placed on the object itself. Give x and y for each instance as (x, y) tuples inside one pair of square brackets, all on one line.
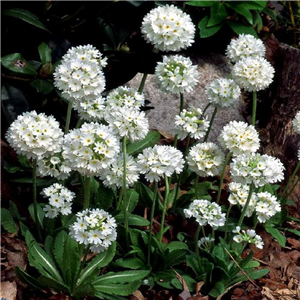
[(191, 122), (239, 137), (168, 28), (253, 74), (205, 159), (35, 135), (205, 213), (223, 93), (176, 74), (95, 229), (296, 123), (246, 45), (90, 149), (248, 236), (266, 206), (160, 161)]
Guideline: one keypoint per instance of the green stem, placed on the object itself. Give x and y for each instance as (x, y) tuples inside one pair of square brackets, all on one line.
[(142, 84), (124, 193), (151, 223), (34, 192), (181, 103), (196, 185), (254, 106), (68, 117), (87, 192), (205, 109), (290, 180), (210, 124), (167, 189), (246, 205), (196, 243), (226, 222), (222, 176)]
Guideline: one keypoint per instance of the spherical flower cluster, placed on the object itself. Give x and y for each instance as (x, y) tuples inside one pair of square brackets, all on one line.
[(256, 168), (95, 228), (205, 241), (124, 96), (113, 176), (168, 28), (246, 45), (206, 212), (205, 159), (223, 93), (296, 122), (91, 110), (90, 149), (128, 122), (160, 161), (54, 166), (191, 122), (266, 206), (253, 74), (239, 137), (35, 135), (248, 236), (176, 74), (60, 200), (80, 73), (239, 194)]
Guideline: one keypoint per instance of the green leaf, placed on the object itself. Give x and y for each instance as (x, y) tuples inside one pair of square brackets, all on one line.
[(15, 62), (297, 232), (252, 264), (242, 10), (208, 31), (26, 16), (14, 211), (58, 247), (27, 279), (42, 86), (218, 14), (124, 289), (176, 257), (149, 141), (133, 263), (201, 3), (104, 197), (258, 23), (133, 220), (84, 290), (217, 290), (253, 5), (281, 239), (146, 194), (7, 221), (40, 214), (132, 200), (45, 53), (252, 274), (240, 28), (55, 284)]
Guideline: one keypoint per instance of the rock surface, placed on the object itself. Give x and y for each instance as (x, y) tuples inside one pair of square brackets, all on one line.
[(166, 105)]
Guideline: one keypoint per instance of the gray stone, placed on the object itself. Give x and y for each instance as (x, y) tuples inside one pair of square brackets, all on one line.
[(166, 105)]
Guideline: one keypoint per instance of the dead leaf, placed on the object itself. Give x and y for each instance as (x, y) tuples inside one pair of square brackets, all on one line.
[(295, 243), (8, 290), (137, 295), (182, 281)]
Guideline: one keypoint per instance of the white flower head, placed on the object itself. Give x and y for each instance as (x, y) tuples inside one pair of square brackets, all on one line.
[(253, 73), (239, 137), (168, 28), (94, 228), (248, 236), (205, 213), (205, 159), (296, 122), (35, 135), (160, 161), (176, 74), (223, 93), (191, 122), (90, 148), (246, 45), (80, 75)]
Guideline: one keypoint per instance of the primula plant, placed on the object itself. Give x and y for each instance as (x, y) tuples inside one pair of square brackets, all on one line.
[(105, 187)]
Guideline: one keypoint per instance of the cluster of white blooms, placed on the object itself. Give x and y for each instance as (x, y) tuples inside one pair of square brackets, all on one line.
[(80, 74), (60, 200), (239, 137), (248, 236), (246, 45), (223, 92), (54, 166), (91, 110), (205, 159), (168, 28), (206, 212), (296, 122), (113, 176), (90, 149), (124, 97), (129, 122), (160, 161), (191, 122), (176, 74), (35, 135), (253, 73), (256, 168), (239, 195), (266, 206), (205, 241), (95, 228)]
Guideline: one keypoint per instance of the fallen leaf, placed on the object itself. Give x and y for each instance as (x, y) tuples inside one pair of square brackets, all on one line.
[(8, 290)]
